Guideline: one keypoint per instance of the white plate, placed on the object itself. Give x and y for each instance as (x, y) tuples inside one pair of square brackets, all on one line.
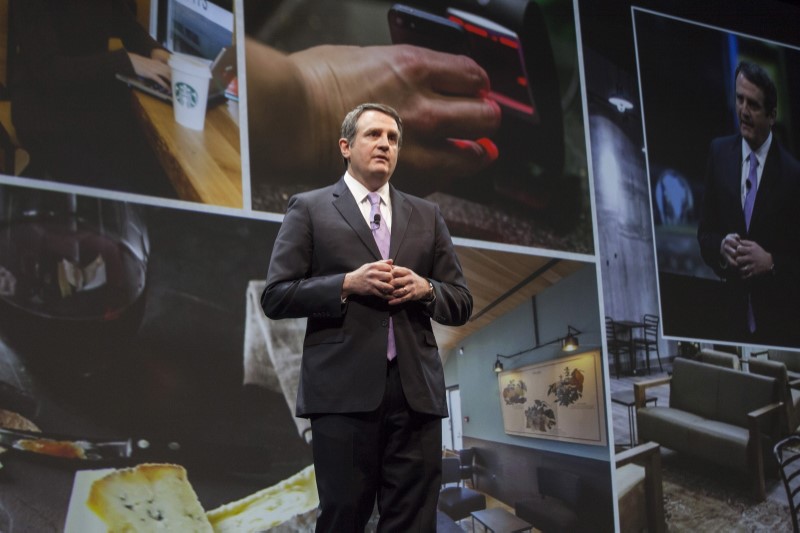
[(81, 519)]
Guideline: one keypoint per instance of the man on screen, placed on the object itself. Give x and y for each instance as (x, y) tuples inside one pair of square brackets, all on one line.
[(749, 231), (370, 267)]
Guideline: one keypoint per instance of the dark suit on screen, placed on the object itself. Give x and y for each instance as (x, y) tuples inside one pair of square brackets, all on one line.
[(344, 367), (775, 225)]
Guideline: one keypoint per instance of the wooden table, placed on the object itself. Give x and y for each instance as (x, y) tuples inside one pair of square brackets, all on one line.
[(627, 327), (203, 166), (499, 520)]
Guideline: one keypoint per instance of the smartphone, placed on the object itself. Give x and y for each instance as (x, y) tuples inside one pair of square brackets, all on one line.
[(495, 48), (414, 26), (498, 51)]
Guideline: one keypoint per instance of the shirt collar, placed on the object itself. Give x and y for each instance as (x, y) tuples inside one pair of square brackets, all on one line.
[(761, 151), (360, 192)]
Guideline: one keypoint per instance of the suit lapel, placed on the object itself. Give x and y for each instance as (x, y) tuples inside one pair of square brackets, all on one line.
[(401, 213), (733, 162), (769, 180), (347, 206)]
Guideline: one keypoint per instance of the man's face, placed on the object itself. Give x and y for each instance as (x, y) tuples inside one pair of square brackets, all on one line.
[(754, 122), (373, 152)]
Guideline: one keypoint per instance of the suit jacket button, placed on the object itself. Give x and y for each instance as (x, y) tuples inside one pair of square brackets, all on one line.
[(385, 323)]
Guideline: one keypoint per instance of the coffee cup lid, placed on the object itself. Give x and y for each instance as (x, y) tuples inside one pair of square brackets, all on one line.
[(192, 65)]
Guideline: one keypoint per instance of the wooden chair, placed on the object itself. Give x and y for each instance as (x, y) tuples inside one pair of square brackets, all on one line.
[(648, 342), (616, 346), (787, 452), (467, 466)]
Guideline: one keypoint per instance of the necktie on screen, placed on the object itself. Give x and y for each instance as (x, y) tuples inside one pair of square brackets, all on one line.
[(380, 231), (749, 201), (750, 194)]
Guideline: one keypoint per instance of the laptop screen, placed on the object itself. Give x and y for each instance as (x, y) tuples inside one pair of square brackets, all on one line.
[(196, 27)]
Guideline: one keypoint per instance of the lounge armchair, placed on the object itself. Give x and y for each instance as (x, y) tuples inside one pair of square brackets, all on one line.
[(716, 357), (787, 393), (640, 493), (717, 414)]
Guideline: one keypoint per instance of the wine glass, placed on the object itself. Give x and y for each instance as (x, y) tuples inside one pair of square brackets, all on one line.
[(72, 275)]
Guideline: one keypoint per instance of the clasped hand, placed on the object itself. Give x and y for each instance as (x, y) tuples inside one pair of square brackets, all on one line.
[(385, 280), (746, 256)]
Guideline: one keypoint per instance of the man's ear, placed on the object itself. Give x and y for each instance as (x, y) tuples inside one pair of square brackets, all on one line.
[(344, 147)]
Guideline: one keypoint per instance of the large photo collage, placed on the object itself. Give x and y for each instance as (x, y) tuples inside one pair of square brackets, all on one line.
[(602, 338)]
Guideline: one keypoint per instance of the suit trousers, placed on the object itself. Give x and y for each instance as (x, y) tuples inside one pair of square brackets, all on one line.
[(392, 455)]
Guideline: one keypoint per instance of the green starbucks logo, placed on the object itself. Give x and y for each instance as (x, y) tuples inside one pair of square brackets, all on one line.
[(185, 95)]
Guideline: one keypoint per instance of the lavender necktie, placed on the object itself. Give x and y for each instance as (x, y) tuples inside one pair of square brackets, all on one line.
[(749, 201), (750, 194), (380, 231)]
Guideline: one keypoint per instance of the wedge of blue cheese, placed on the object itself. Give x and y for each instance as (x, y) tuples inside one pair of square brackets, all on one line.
[(289, 506), (148, 498)]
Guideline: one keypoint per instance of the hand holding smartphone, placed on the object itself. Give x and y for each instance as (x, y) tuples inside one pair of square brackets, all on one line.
[(495, 48)]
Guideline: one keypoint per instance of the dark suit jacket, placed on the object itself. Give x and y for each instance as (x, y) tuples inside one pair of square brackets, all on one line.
[(775, 225), (323, 236)]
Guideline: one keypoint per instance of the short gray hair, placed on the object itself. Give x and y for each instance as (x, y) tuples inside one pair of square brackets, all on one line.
[(351, 120)]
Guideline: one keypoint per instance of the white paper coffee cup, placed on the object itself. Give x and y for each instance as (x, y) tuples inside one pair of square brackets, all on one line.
[(190, 77)]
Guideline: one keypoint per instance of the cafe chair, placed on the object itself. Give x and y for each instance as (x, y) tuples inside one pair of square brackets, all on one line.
[(616, 346), (554, 509), (648, 342), (455, 501), (640, 493), (467, 468), (787, 453)]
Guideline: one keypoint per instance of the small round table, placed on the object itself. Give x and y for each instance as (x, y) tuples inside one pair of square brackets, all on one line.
[(627, 399)]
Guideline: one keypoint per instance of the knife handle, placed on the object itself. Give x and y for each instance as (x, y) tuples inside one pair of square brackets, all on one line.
[(156, 449)]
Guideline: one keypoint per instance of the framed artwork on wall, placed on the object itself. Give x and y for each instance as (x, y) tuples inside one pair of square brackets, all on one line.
[(559, 399)]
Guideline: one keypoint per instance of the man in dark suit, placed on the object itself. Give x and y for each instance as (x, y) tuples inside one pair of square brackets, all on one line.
[(371, 378), (749, 232)]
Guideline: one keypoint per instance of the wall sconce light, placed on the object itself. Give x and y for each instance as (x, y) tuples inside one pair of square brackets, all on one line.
[(461, 351), (569, 343), (620, 99), (620, 103)]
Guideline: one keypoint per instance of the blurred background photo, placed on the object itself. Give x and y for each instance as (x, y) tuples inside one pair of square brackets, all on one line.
[(489, 94), (683, 112)]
